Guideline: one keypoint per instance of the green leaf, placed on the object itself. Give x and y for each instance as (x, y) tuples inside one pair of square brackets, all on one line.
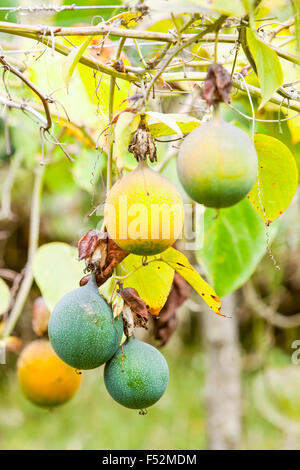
[(165, 124), (4, 297), (73, 59), (56, 271), (269, 70), (180, 263), (153, 282), (87, 168), (278, 178), (234, 243)]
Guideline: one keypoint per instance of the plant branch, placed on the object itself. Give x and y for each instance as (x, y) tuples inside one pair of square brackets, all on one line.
[(215, 26), (110, 119), (254, 91), (266, 311), (32, 247), (5, 211), (24, 107), (44, 99)]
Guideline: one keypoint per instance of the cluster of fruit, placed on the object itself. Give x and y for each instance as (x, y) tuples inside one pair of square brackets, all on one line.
[(217, 165), (84, 335)]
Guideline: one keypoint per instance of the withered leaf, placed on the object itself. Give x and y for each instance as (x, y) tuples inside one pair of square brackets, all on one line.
[(136, 304), (119, 65), (40, 316), (217, 85), (92, 247), (128, 321), (117, 305), (142, 143), (165, 324), (113, 256)]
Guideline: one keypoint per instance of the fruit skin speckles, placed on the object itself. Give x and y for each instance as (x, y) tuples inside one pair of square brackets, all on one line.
[(82, 329), (44, 378), (217, 164), (137, 377)]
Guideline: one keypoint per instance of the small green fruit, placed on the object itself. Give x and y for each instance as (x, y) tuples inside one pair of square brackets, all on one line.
[(82, 329), (217, 164), (138, 376)]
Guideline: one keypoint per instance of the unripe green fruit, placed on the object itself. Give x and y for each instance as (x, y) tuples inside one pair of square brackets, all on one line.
[(138, 376), (217, 164), (82, 329)]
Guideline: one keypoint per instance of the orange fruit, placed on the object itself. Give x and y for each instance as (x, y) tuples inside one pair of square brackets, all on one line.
[(44, 378)]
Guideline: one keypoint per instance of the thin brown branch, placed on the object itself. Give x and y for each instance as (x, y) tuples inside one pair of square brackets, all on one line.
[(266, 311), (44, 99), (214, 26)]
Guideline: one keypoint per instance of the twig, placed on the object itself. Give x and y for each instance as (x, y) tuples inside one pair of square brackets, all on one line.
[(216, 25), (5, 212), (110, 118), (44, 99), (266, 311), (32, 247), (24, 107), (254, 91)]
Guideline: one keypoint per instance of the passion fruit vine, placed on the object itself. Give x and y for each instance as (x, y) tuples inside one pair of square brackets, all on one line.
[(217, 164)]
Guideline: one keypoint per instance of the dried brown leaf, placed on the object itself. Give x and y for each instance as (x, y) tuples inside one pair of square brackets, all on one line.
[(108, 250), (136, 304), (142, 143), (217, 85), (92, 247)]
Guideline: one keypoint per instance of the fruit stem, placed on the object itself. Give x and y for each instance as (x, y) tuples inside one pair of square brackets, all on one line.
[(110, 118)]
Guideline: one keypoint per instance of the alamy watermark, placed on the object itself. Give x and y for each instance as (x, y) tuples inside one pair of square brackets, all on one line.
[(137, 221), (296, 354)]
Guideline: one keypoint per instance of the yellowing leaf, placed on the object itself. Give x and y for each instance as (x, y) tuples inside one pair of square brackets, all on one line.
[(278, 178), (167, 120), (73, 59), (4, 296), (166, 125), (152, 282), (179, 262), (294, 126), (269, 70)]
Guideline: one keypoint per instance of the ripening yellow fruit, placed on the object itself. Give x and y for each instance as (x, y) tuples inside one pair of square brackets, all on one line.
[(144, 212), (44, 378)]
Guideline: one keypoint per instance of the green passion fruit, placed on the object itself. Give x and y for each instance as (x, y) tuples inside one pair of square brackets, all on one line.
[(82, 329), (137, 375), (217, 164)]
